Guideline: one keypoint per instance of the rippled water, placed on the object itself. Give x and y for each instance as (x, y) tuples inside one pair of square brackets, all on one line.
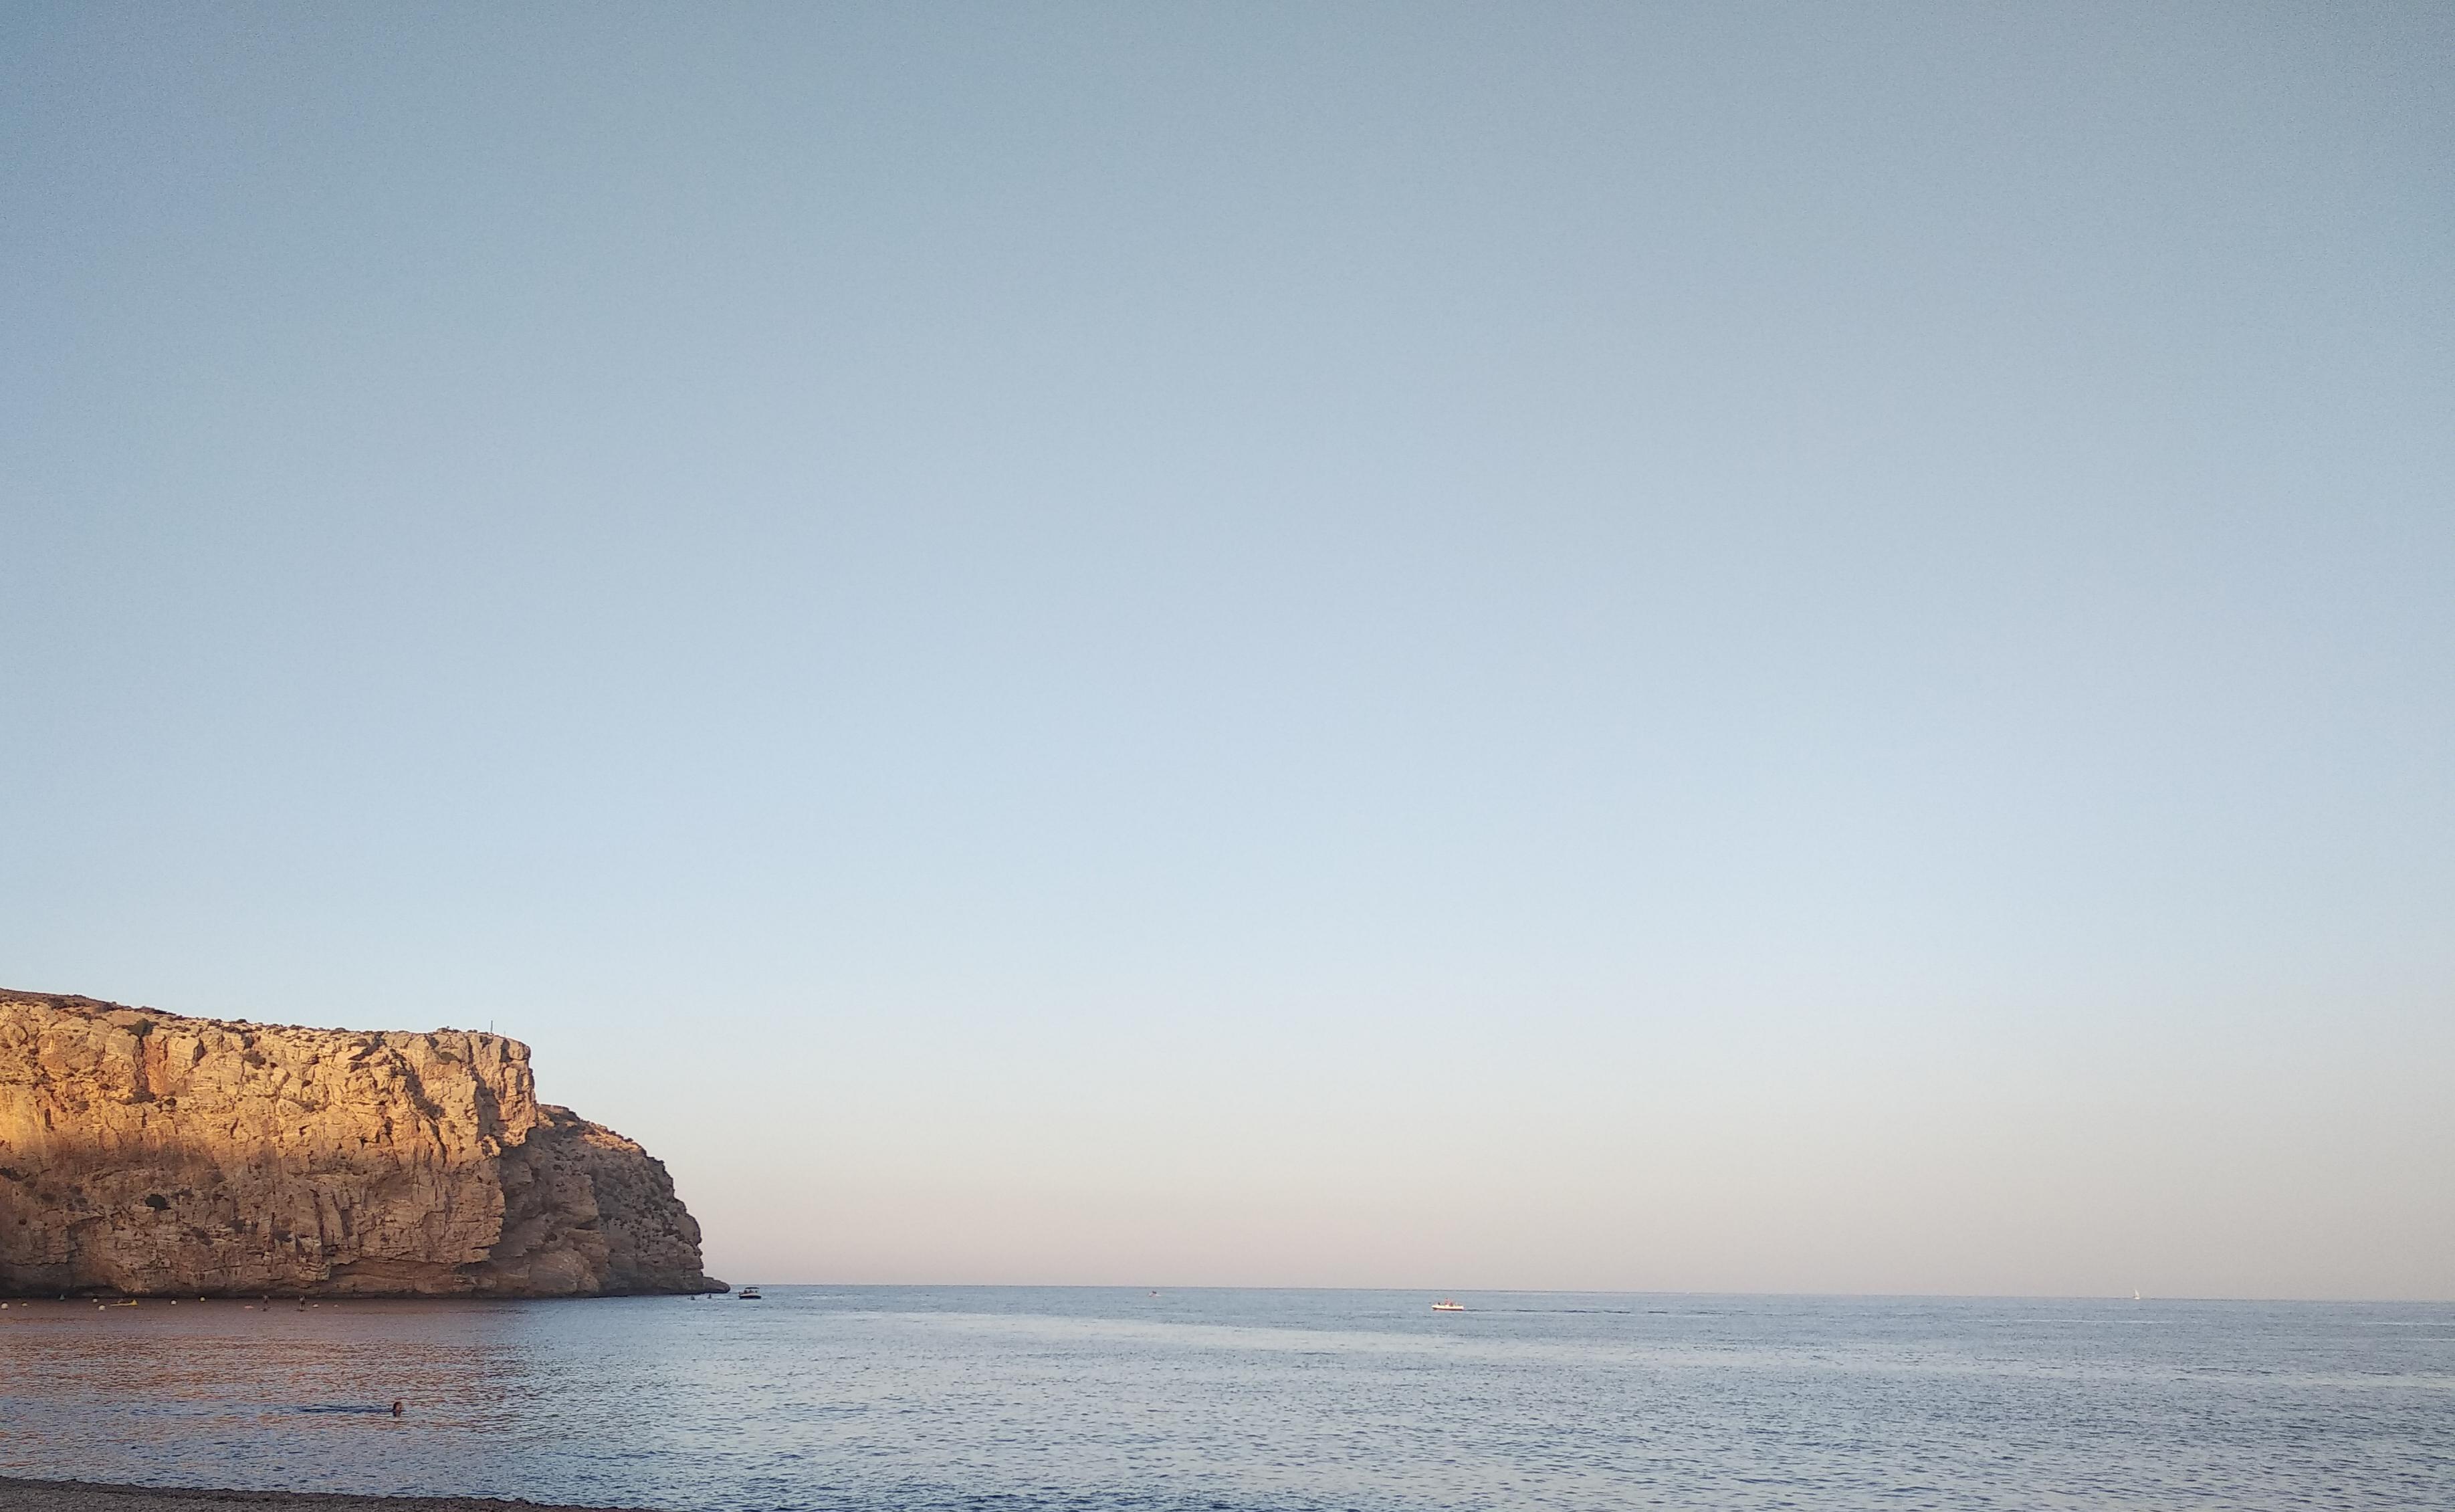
[(1024, 1398)]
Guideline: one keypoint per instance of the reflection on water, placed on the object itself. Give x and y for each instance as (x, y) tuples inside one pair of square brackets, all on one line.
[(922, 1397)]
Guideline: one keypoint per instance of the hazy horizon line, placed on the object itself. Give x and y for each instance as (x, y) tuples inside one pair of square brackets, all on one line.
[(1614, 1291)]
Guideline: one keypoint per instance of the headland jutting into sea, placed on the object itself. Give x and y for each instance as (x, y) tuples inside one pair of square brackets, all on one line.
[(144, 1154)]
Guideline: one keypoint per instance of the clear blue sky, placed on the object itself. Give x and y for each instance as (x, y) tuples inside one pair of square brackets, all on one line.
[(1728, 647)]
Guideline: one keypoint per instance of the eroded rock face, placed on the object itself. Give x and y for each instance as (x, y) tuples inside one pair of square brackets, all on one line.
[(145, 1153)]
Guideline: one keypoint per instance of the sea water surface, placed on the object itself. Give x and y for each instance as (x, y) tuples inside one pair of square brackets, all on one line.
[(912, 1398)]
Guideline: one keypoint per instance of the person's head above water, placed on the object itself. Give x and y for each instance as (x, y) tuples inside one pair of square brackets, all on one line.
[(396, 1408)]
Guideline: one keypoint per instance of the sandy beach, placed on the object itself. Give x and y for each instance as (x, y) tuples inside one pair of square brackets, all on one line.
[(79, 1495)]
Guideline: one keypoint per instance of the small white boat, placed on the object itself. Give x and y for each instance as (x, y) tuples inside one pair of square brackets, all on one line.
[(1446, 1306), (747, 1294)]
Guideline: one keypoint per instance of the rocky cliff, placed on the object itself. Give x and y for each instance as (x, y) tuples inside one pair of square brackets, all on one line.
[(142, 1152)]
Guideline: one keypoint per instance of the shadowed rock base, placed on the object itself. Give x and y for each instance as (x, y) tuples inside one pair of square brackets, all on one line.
[(146, 1153)]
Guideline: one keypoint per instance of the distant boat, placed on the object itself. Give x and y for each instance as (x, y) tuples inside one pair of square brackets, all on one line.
[(1445, 1305), (747, 1294), (2135, 1294)]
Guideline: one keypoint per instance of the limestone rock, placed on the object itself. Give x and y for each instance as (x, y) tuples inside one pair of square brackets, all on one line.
[(145, 1153)]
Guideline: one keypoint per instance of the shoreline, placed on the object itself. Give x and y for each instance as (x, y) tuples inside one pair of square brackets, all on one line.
[(22, 1493)]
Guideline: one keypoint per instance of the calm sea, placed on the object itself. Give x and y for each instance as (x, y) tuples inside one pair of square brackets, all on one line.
[(829, 1397)]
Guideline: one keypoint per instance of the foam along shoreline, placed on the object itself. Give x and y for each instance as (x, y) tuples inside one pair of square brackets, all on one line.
[(18, 1495)]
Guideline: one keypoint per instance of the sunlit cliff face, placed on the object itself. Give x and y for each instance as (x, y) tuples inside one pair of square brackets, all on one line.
[(142, 1152)]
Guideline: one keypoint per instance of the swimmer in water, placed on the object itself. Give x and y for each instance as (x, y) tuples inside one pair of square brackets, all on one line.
[(395, 1410)]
